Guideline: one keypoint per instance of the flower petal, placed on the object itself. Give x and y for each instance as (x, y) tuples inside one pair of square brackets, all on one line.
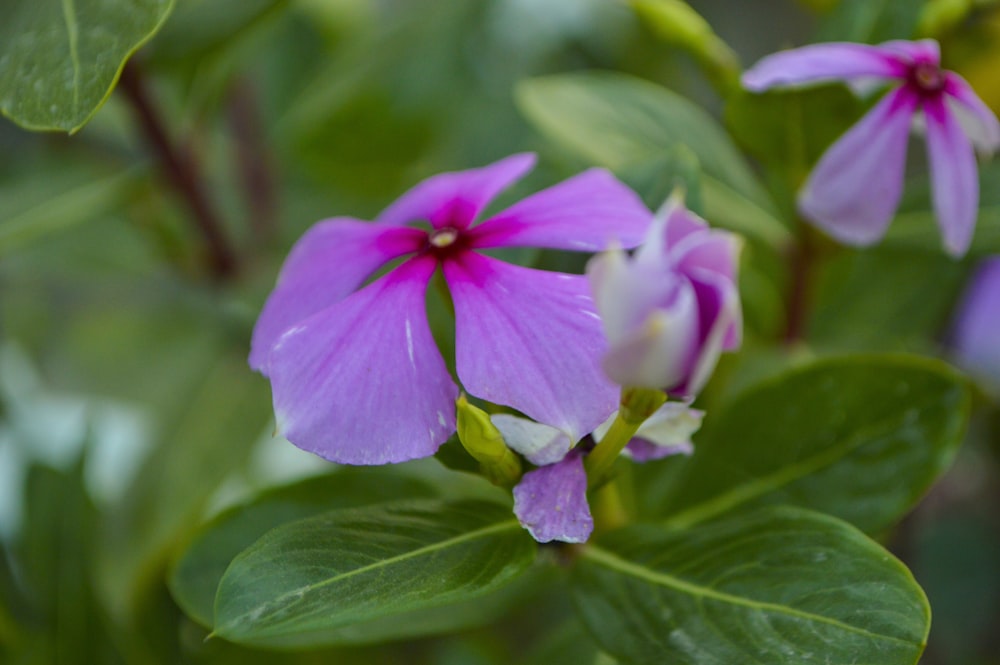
[(977, 119), (588, 212), (531, 340), (539, 443), (818, 63), (551, 502), (329, 262), (362, 382), (455, 199), (922, 50), (974, 337), (954, 179), (718, 310), (854, 190), (667, 432)]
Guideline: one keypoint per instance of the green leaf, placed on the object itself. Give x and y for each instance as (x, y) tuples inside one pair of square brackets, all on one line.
[(871, 21), (212, 437), (59, 211), (59, 60), (776, 586), (617, 121), (369, 573), (197, 572), (861, 437)]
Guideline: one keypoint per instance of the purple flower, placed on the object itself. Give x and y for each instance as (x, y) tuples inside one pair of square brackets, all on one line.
[(355, 373), (670, 310), (976, 335), (551, 501), (855, 188)]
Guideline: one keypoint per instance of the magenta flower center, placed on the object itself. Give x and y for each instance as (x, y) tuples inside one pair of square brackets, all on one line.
[(445, 242), (927, 78)]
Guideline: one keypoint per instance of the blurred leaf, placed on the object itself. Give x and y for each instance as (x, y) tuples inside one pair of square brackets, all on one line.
[(569, 644), (54, 557), (213, 437), (196, 573), (370, 573), (678, 24), (788, 130), (59, 61), (859, 437), (616, 121), (871, 21), (198, 29), (58, 211), (776, 586), (915, 226), (884, 300)]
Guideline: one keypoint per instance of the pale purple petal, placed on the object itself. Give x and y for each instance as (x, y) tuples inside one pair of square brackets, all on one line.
[(537, 442), (818, 63), (921, 51), (328, 263), (642, 450), (456, 199), (661, 352), (854, 190), (588, 212), (954, 179), (977, 119), (667, 432), (531, 340), (976, 335), (362, 382), (551, 502)]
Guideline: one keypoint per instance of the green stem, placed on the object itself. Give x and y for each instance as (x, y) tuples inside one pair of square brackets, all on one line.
[(602, 458)]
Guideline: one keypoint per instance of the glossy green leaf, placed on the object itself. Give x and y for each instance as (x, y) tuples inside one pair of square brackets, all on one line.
[(196, 573), (59, 60), (369, 573), (860, 437), (616, 121), (777, 586)]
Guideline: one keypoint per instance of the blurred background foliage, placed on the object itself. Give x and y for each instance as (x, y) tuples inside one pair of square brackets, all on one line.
[(128, 415)]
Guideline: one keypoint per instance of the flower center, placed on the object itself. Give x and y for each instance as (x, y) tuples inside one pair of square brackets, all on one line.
[(442, 238), (927, 77)]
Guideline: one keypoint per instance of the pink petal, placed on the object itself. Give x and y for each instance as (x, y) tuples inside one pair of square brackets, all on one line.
[(820, 63), (456, 199), (977, 119), (531, 340), (954, 179), (551, 502), (362, 382), (853, 192), (924, 50), (329, 262), (588, 212)]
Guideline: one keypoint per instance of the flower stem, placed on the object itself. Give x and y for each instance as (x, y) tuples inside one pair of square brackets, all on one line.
[(180, 171), (637, 404)]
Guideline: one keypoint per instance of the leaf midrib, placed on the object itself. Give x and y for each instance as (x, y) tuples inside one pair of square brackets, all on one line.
[(780, 478), (616, 563), (427, 549)]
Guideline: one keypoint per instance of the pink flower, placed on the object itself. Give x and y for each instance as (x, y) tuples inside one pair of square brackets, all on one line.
[(670, 310), (854, 190), (355, 373)]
